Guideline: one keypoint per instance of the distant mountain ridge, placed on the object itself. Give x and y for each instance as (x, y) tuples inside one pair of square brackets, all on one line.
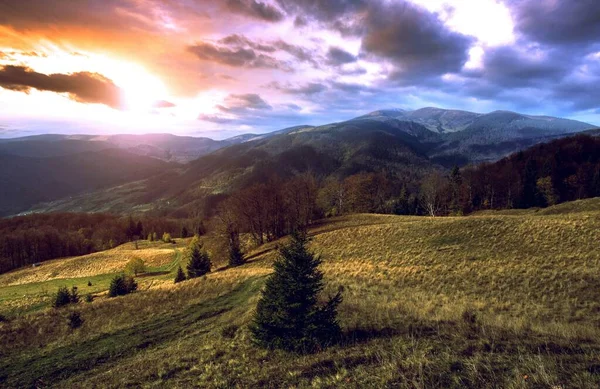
[(404, 144)]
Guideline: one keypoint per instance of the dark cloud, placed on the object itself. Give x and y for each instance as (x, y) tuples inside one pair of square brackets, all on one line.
[(353, 72), (300, 21), (580, 89), (255, 9), (415, 40), (298, 52), (242, 57), (242, 103), (558, 21), (352, 87), (239, 51), (508, 66), (337, 56), (308, 89), (323, 10), (83, 87), (215, 119), (241, 41), (164, 104)]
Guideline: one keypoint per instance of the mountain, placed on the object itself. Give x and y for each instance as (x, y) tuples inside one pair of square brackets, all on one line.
[(398, 142), (26, 181), (167, 147)]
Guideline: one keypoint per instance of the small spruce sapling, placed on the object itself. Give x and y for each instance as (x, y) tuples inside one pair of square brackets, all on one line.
[(180, 276), (199, 261)]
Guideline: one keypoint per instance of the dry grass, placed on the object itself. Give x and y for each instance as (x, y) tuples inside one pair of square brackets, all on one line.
[(493, 300)]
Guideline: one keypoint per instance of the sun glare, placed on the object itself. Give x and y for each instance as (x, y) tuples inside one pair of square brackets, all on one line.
[(141, 88)]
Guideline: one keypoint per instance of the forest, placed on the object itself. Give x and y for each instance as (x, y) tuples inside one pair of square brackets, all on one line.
[(31, 239), (544, 175)]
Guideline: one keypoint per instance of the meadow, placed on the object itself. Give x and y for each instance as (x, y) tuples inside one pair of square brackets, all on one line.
[(497, 299)]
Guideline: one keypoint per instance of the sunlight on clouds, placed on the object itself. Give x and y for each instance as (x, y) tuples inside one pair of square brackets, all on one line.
[(141, 88), (487, 20), (475, 58)]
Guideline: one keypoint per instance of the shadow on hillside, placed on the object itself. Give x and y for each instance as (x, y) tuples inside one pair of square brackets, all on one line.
[(362, 335)]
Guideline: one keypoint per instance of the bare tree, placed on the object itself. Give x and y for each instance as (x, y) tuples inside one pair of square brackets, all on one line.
[(433, 188)]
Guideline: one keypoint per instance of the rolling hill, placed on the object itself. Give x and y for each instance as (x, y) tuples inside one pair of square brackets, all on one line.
[(492, 300)]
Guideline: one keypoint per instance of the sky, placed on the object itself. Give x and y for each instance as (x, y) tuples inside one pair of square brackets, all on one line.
[(220, 68)]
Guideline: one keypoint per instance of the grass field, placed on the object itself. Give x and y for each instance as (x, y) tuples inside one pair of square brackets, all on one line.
[(498, 299)]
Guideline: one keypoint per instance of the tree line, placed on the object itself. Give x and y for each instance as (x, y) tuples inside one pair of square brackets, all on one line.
[(32, 239), (547, 174)]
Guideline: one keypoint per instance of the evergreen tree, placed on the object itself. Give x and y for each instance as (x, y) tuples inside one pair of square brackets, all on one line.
[(201, 230), (199, 262), (62, 298), (287, 315), (236, 257), (74, 295), (139, 229), (184, 232), (180, 275), (131, 229), (121, 285)]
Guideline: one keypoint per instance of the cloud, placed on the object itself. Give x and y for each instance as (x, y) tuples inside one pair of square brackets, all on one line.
[(558, 21), (415, 40), (322, 10), (255, 9), (235, 57), (244, 102), (307, 89), (83, 87), (241, 41), (337, 56), (508, 66)]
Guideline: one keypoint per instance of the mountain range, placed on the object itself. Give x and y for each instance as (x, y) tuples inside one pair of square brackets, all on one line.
[(125, 173)]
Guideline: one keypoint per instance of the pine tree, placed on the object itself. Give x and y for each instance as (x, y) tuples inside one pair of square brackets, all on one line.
[(287, 315), (236, 257), (180, 275), (184, 232), (121, 285), (199, 263), (63, 297)]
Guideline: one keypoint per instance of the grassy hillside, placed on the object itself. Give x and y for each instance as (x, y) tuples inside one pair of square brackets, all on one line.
[(491, 300)]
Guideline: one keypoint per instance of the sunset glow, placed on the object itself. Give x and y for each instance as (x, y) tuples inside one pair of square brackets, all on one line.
[(174, 65)]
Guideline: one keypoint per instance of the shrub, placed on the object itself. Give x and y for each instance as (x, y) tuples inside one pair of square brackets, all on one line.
[(199, 261), (229, 331), (89, 298), (74, 295), (236, 257), (89, 283), (180, 276), (184, 232), (121, 285), (3, 319), (75, 320), (287, 315), (167, 238), (62, 298), (135, 266)]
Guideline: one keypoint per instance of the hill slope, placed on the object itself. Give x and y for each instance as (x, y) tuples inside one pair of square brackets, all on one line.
[(481, 301), (27, 180)]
